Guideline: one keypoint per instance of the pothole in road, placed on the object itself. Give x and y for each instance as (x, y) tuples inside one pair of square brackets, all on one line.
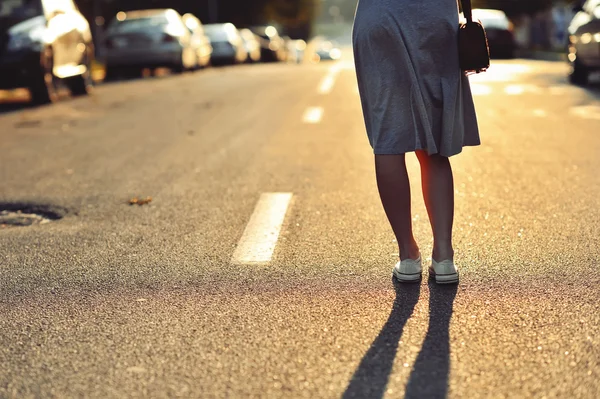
[(19, 215)]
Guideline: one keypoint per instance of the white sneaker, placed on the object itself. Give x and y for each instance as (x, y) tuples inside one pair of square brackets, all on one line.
[(408, 271), (444, 272)]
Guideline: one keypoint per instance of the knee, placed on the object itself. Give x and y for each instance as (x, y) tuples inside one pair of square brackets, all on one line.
[(427, 160)]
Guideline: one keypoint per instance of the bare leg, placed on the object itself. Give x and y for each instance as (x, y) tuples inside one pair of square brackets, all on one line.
[(438, 191), (394, 190)]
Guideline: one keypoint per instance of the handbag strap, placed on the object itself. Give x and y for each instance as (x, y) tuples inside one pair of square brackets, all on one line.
[(467, 10)]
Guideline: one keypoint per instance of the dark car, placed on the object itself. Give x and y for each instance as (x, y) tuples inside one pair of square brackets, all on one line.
[(153, 38), (44, 43), (584, 42), (499, 29), (273, 47), (327, 50), (228, 46)]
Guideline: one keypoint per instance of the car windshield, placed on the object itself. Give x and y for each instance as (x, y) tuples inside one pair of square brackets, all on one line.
[(20, 9), (492, 19), (137, 24), (216, 32)]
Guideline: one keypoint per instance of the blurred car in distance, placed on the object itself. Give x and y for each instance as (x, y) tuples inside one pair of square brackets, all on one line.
[(327, 50), (251, 44), (228, 46), (584, 42), (200, 42), (272, 45), (295, 49), (499, 30), (148, 39), (44, 44)]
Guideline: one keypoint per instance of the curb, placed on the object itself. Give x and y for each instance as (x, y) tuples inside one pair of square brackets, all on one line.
[(542, 55)]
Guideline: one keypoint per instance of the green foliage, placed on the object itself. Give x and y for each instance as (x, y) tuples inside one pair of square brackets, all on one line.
[(291, 12)]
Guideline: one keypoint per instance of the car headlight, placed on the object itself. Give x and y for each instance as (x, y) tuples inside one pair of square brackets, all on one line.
[(26, 40)]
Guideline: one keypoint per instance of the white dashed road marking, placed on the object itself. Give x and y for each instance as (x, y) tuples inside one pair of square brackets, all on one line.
[(313, 115), (262, 232), (586, 111), (328, 81)]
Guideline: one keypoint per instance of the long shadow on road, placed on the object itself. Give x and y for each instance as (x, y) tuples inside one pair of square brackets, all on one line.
[(429, 376)]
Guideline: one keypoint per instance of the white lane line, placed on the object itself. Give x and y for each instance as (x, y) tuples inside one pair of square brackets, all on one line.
[(326, 85), (540, 113), (313, 115), (514, 90), (586, 111), (262, 232)]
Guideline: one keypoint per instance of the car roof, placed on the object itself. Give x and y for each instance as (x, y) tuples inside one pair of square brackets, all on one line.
[(148, 13), (489, 13)]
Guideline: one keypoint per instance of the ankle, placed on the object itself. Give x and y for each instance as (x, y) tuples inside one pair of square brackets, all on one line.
[(409, 251), (441, 254)]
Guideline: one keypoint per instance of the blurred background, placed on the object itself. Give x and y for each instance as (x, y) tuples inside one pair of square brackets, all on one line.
[(257, 30)]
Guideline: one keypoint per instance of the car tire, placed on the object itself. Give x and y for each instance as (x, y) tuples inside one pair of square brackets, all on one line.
[(111, 73), (43, 88), (81, 85), (178, 69), (579, 74)]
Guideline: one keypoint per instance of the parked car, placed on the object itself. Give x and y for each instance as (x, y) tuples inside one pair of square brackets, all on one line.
[(200, 41), (584, 42), (295, 50), (327, 50), (499, 30), (273, 47), (43, 44), (251, 44), (228, 46), (148, 39)]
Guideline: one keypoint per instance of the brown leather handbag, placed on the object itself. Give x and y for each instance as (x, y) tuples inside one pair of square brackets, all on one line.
[(473, 49)]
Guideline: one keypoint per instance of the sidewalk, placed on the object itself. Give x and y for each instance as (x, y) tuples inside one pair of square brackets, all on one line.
[(542, 55)]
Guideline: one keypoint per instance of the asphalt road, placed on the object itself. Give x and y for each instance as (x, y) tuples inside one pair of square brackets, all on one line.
[(119, 300)]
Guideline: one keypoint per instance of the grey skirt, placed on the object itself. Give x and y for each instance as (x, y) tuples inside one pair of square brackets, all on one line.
[(414, 95)]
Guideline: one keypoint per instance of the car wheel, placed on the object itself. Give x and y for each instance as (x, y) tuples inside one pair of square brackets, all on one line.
[(82, 85), (111, 73), (178, 69), (43, 88), (579, 74)]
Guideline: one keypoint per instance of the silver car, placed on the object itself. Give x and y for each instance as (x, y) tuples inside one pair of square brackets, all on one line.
[(148, 39), (228, 46), (45, 44), (584, 42)]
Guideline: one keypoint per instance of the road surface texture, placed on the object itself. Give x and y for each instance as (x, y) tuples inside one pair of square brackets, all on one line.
[(165, 299)]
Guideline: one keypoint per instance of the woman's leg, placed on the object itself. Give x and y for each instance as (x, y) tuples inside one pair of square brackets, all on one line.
[(394, 190), (438, 191)]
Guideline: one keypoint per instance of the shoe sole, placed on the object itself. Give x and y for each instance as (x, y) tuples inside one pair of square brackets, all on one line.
[(445, 278), (407, 278)]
